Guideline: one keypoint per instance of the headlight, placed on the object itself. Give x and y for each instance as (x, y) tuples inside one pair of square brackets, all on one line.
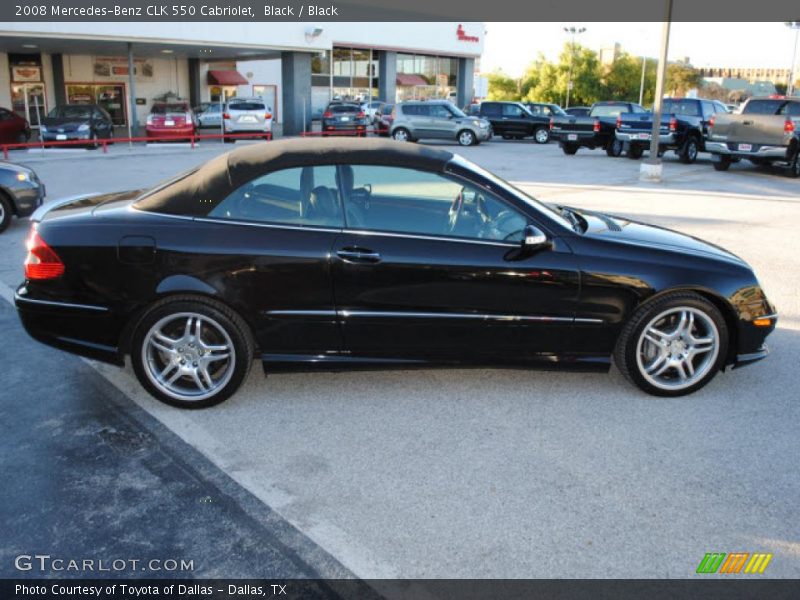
[(84, 127), (481, 124), (42, 129), (22, 176)]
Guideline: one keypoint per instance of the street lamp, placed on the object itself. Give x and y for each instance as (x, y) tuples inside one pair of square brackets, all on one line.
[(796, 26), (573, 31)]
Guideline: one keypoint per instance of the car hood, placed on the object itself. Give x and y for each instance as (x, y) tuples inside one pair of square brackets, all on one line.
[(631, 232)]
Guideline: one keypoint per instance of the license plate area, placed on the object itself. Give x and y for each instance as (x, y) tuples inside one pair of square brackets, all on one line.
[(169, 123), (745, 147), (247, 119), (60, 137), (643, 136), (572, 137)]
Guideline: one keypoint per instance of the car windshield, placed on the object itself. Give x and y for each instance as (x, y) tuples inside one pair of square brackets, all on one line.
[(557, 110), (246, 106), (388, 108), (344, 108), (456, 111), (681, 107), (169, 109), (607, 110), (551, 212), (71, 112)]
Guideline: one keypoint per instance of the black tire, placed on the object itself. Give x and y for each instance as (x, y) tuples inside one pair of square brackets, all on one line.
[(689, 151), (506, 136), (23, 137), (635, 152), (233, 325), (466, 137), (93, 143), (721, 162), (626, 353), (5, 213), (614, 148), (794, 165), (569, 149), (541, 135)]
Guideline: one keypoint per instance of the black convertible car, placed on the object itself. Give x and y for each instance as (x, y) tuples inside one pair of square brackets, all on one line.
[(336, 254)]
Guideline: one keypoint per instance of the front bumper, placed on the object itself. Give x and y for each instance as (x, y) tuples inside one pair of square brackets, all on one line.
[(742, 360), (482, 134), (29, 198), (53, 136), (758, 151)]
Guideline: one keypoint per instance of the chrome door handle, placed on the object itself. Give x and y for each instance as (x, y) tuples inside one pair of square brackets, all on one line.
[(358, 255)]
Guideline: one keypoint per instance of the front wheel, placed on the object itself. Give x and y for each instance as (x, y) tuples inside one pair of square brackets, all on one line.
[(614, 148), (466, 138), (674, 345), (191, 352), (5, 213), (542, 135), (722, 162)]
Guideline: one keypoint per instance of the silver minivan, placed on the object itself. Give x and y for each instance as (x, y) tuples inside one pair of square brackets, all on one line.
[(437, 119), (247, 115)]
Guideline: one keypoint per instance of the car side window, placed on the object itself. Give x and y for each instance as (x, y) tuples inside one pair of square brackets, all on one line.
[(512, 110), (440, 112), (306, 196), (401, 200), (491, 110)]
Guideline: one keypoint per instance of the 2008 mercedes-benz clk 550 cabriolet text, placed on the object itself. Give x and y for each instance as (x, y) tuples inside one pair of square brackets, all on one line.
[(341, 254)]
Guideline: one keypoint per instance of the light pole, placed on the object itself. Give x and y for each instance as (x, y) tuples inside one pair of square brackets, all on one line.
[(796, 26), (641, 85), (573, 31)]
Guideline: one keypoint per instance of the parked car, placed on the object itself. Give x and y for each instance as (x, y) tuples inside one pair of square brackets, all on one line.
[(246, 115), (596, 130), (347, 118), (544, 109), (13, 128), (332, 254), (209, 114), (472, 110), (512, 120), (90, 122), (21, 192), (385, 121), (684, 125), (766, 130), (373, 110), (170, 120), (578, 111), (437, 119)]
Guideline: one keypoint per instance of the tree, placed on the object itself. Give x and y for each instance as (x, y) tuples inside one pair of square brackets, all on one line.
[(502, 87), (681, 78), (547, 82)]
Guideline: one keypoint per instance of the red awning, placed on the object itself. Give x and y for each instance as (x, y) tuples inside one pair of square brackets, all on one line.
[(226, 78), (410, 79)]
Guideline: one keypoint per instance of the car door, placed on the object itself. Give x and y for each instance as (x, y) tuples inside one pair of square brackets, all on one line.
[(493, 112), (442, 122), (272, 241), (517, 120), (430, 266)]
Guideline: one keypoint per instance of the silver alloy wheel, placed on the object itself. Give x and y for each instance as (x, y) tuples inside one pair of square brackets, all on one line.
[(2, 212), (466, 138), (677, 348), (188, 356), (542, 136), (401, 135)]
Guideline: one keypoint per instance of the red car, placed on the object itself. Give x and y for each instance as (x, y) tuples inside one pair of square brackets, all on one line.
[(13, 128), (171, 120), (383, 121)]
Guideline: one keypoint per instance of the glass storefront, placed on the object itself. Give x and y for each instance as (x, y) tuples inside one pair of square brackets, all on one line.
[(110, 96), (425, 77)]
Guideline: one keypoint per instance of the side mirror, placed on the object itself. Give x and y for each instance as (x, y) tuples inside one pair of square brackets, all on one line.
[(533, 238)]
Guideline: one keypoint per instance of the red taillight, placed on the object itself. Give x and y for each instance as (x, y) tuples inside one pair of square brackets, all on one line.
[(361, 115), (552, 120), (673, 124), (267, 115), (226, 115), (788, 126), (596, 127), (619, 121), (42, 262), (711, 121), (327, 115)]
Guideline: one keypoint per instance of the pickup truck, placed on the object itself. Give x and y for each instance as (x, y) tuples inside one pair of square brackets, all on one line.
[(684, 125), (767, 130), (597, 130)]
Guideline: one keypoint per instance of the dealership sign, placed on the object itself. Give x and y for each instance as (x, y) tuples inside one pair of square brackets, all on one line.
[(462, 36)]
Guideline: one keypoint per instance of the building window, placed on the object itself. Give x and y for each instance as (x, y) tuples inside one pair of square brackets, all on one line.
[(424, 77), (111, 97)]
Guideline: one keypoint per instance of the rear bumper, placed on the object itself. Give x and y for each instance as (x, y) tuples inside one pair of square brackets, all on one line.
[(775, 152), (170, 132), (237, 127), (667, 139), (87, 330)]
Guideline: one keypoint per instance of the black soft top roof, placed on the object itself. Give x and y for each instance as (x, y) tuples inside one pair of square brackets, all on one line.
[(197, 193)]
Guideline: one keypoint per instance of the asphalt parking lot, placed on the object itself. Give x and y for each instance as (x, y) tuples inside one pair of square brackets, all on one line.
[(502, 473)]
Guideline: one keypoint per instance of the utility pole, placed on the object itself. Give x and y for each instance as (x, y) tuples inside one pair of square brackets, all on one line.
[(573, 31), (796, 26), (651, 169), (641, 85)]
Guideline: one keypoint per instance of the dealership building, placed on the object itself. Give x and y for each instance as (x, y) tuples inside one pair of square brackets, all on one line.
[(297, 67)]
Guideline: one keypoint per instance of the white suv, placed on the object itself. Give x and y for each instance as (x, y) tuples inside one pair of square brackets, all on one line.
[(246, 115)]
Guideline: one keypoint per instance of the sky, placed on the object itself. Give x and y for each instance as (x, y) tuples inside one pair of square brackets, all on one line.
[(512, 46)]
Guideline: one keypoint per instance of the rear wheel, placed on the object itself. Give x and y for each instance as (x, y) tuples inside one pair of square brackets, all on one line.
[(5, 213), (688, 153), (569, 149), (674, 345), (466, 138), (191, 352), (401, 134), (635, 152), (542, 135), (794, 165), (721, 162), (614, 148)]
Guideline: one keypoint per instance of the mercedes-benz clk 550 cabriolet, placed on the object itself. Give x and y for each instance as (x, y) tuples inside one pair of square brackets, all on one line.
[(343, 254)]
